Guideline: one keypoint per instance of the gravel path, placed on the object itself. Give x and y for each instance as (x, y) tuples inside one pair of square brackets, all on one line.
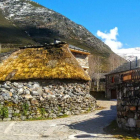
[(80, 127)]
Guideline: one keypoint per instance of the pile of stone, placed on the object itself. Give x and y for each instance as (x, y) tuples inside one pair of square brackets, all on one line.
[(44, 99), (128, 107)]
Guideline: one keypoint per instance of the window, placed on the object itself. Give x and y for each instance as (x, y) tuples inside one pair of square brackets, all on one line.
[(112, 80)]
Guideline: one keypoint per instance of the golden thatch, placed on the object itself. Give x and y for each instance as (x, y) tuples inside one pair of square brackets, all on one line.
[(56, 62)]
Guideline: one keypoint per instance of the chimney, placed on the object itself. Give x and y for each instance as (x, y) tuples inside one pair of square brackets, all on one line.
[(56, 41), (136, 61)]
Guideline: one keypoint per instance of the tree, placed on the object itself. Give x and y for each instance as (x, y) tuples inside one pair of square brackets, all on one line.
[(98, 70)]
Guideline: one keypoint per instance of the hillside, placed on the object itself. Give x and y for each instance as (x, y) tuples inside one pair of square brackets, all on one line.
[(30, 23), (12, 34)]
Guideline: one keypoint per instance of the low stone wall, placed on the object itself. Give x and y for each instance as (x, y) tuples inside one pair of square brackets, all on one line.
[(128, 106), (44, 99)]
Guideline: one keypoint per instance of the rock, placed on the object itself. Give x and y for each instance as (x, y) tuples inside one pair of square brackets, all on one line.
[(44, 95), (17, 111), (51, 96), (41, 99), (27, 91), (13, 91), (66, 96), (1, 98), (6, 86), (76, 112), (9, 115), (35, 87), (15, 84), (60, 114), (23, 118), (34, 102), (131, 122), (5, 97), (48, 91), (68, 113), (35, 93), (20, 85), (7, 119), (40, 91), (28, 96), (20, 91)]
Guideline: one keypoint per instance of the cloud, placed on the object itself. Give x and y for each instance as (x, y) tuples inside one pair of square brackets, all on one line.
[(111, 39)]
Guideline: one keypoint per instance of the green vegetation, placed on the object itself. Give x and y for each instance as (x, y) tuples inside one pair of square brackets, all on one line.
[(12, 34), (42, 111), (16, 114), (25, 108), (59, 108), (113, 129), (4, 112), (63, 116), (42, 118)]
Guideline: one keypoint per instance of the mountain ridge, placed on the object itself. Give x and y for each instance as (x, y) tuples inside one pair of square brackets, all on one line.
[(38, 20), (37, 24)]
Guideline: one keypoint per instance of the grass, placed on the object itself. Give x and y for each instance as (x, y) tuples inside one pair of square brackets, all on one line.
[(42, 118), (113, 129)]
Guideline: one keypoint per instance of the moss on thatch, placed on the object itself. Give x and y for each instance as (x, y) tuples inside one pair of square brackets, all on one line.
[(42, 63)]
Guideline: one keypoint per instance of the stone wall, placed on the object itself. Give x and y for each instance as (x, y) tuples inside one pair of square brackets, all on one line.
[(44, 99), (128, 106), (82, 59)]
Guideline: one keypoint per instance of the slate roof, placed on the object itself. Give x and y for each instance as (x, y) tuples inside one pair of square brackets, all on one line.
[(126, 67), (50, 62)]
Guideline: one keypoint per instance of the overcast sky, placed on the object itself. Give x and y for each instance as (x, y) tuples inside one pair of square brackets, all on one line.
[(116, 22)]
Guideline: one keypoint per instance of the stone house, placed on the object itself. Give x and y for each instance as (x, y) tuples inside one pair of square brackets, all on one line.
[(81, 56), (115, 77), (43, 81), (124, 83)]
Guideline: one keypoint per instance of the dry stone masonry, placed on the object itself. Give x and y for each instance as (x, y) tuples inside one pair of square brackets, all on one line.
[(128, 107), (44, 99)]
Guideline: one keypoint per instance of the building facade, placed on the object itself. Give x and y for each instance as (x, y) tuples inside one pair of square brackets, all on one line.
[(116, 77)]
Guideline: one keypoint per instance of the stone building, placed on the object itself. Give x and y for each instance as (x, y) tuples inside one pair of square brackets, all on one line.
[(124, 82), (115, 77), (81, 56), (43, 81)]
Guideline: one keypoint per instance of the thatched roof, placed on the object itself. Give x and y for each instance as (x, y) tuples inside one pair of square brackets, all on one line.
[(50, 62)]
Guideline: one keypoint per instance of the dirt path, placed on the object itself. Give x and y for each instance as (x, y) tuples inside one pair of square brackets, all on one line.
[(81, 127)]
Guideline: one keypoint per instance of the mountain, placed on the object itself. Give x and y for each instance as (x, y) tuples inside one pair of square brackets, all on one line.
[(131, 54), (26, 22)]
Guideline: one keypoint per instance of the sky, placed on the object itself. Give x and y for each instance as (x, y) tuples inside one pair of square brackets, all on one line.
[(116, 22)]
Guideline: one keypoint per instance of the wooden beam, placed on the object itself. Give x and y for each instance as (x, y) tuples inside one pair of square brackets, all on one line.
[(77, 51)]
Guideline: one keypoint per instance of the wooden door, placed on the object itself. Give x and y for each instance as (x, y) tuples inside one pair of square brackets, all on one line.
[(113, 94)]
